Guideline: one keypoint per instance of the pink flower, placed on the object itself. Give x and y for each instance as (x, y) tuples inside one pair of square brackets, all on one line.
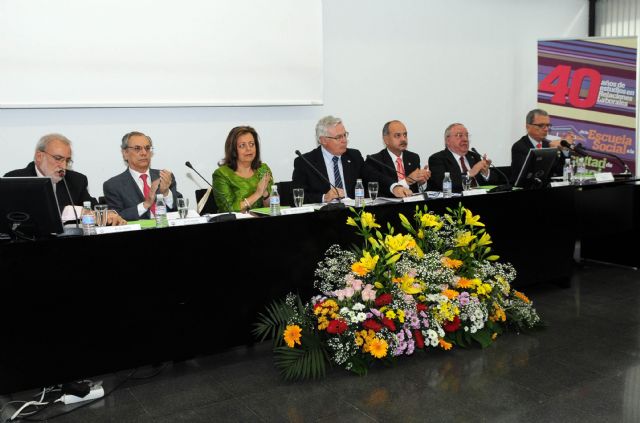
[(356, 284), (348, 292), (368, 293)]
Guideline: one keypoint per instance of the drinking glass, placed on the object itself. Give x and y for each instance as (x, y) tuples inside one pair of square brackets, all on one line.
[(183, 207), (373, 191), (466, 182), (102, 212), (298, 197)]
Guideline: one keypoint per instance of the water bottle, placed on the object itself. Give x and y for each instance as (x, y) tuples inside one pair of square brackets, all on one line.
[(161, 212), (274, 201), (446, 185), (581, 170), (567, 171), (88, 219), (359, 193)]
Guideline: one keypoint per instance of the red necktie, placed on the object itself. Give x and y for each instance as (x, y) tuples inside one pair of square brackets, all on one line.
[(145, 191), (400, 168), (539, 145), (464, 165)]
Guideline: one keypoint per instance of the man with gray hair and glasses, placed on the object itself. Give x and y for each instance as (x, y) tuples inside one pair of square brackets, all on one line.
[(133, 192), (538, 124), (52, 159), (340, 165)]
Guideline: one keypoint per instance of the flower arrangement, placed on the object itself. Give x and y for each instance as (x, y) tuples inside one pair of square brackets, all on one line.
[(437, 285)]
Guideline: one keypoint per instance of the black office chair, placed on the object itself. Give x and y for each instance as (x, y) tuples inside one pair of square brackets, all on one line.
[(210, 206), (286, 194)]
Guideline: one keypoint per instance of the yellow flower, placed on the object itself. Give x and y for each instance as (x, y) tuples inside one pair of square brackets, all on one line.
[(484, 289), (464, 239), (521, 296), (445, 345), (498, 314), (378, 347), (292, 335), (395, 243), (365, 265), (451, 263), (420, 234), (472, 220), (485, 239), (391, 314), (409, 285), (450, 293), (401, 316), (494, 336), (351, 222), (429, 220), (368, 220)]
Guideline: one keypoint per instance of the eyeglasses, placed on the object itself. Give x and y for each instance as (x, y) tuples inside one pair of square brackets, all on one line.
[(340, 137), (138, 148), (461, 135), (541, 125), (60, 159)]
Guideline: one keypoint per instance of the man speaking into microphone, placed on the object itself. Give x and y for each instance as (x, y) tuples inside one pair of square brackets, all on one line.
[(396, 169), (538, 124), (52, 159)]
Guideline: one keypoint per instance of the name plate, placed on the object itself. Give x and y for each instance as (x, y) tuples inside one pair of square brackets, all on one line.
[(297, 210), (413, 198), (188, 221), (113, 229), (604, 177), (560, 184), (475, 191)]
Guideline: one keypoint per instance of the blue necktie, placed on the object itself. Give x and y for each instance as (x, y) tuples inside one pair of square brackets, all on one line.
[(336, 173)]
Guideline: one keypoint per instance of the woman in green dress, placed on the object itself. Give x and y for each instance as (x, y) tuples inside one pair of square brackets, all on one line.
[(242, 182)]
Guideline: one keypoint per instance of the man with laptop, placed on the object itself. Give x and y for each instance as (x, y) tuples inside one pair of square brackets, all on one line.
[(538, 124)]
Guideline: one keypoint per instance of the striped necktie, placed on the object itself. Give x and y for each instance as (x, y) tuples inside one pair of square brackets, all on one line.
[(336, 172)]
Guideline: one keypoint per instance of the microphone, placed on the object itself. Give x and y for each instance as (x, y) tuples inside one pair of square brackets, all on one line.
[(580, 149), (222, 217), (394, 170), (499, 188), (328, 206), (77, 230)]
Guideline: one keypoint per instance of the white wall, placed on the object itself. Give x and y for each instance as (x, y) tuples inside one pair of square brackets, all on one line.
[(428, 63)]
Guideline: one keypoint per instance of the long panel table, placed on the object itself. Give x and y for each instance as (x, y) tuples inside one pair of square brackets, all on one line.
[(77, 307)]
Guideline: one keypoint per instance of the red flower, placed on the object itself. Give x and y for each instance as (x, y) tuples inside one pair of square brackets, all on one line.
[(336, 326), (417, 335), (383, 300), (421, 307), (372, 324), (453, 325), (389, 324)]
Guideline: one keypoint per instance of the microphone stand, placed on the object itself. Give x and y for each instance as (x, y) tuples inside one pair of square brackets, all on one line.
[(413, 181), (77, 231), (500, 188), (580, 149), (329, 206), (222, 217)]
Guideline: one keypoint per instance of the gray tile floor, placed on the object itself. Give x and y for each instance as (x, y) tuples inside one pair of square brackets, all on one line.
[(584, 367)]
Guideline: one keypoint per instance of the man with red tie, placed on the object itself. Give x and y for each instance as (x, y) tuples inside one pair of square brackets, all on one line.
[(458, 160), (408, 175), (538, 125), (132, 193)]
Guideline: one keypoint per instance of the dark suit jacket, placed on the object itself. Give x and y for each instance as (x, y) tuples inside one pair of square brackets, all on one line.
[(123, 195), (444, 161), (314, 186), (387, 177), (519, 152), (76, 182)]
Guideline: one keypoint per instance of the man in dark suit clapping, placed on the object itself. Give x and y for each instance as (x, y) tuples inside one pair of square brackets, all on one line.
[(408, 175), (457, 159)]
